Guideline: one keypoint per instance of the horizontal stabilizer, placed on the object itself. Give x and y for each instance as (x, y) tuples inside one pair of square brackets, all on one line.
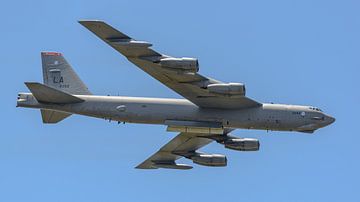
[(46, 94), (51, 116)]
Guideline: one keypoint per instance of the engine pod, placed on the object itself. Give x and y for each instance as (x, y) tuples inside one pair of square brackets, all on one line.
[(242, 144), (227, 88), (182, 64), (217, 160)]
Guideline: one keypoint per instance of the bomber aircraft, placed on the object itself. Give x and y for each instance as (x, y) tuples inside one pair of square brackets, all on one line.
[(210, 111)]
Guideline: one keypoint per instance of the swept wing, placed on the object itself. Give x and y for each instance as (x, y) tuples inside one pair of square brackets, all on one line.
[(183, 80), (183, 143)]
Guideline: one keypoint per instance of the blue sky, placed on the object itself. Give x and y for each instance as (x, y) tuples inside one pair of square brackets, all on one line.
[(300, 52)]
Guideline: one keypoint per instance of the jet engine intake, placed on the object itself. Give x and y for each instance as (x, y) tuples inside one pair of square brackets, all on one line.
[(184, 64), (227, 88), (210, 159), (242, 144)]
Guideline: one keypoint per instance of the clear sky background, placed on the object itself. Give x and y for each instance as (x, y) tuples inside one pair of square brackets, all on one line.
[(301, 52)]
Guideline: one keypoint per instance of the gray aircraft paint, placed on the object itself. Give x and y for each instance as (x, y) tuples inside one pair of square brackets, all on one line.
[(206, 115), (277, 117)]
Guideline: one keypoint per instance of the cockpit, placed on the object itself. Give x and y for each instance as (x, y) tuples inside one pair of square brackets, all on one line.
[(315, 109)]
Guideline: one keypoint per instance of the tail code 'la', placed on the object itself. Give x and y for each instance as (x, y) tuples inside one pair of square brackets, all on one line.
[(58, 74)]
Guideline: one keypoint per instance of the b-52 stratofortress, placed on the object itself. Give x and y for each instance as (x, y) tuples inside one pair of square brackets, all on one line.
[(210, 111)]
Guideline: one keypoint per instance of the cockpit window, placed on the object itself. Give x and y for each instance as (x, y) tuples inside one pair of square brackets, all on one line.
[(315, 108)]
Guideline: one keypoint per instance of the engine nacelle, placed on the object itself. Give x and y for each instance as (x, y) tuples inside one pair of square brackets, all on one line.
[(184, 64), (210, 159), (227, 88), (242, 144)]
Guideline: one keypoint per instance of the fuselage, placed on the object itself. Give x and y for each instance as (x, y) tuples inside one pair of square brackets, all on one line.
[(279, 117)]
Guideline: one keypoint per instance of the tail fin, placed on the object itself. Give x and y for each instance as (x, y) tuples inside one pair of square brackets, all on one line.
[(48, 95), (60, 83), (58, 74)]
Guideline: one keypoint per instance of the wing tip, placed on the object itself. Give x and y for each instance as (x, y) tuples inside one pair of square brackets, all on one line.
[(145, 167), (87, 21)]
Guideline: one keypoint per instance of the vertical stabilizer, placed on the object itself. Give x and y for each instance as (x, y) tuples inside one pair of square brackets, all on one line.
[(58, 74)]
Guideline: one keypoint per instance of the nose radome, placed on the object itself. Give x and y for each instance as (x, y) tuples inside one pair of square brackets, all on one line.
[(331, 119)]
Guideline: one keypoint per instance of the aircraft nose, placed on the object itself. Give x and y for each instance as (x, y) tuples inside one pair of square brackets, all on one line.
[(330, 119)]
